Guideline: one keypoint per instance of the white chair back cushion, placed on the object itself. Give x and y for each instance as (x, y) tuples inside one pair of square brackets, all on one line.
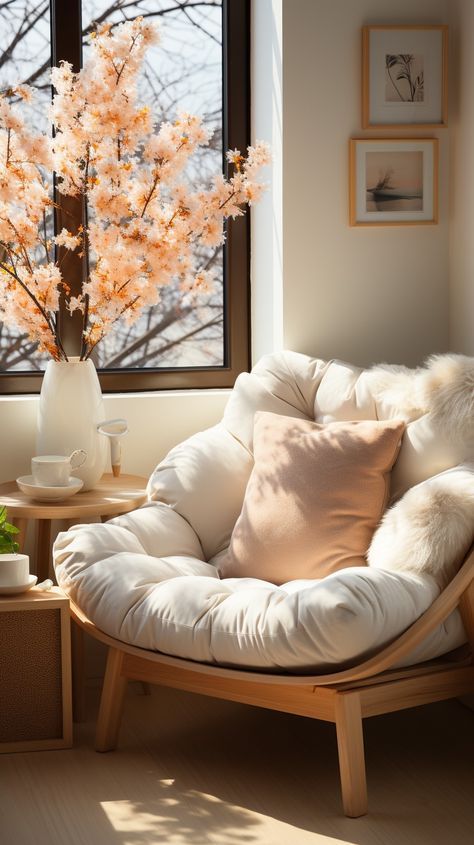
[(204, 478)]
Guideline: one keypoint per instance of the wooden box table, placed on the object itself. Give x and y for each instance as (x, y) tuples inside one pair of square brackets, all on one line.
[(35, 671), (110, 497)]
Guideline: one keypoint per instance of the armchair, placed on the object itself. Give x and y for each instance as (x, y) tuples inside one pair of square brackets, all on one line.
[(364, 640)]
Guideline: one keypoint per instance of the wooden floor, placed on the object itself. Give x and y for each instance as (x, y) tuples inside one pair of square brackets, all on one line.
[(199, 771)]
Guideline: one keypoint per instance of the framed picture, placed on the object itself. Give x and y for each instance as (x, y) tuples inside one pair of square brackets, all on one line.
[(393, 181), (404, 76)]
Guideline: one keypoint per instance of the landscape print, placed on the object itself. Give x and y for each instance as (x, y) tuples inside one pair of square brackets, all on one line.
[(394, 181), (404, 78)]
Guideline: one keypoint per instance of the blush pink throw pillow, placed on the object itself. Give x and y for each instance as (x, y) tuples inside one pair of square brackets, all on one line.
[(314, 497)]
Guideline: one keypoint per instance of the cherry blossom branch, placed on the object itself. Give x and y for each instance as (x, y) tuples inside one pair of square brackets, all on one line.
[(145, 223), (156, 181), (150, 194), (103, 334), (125, 61), (29, 293)]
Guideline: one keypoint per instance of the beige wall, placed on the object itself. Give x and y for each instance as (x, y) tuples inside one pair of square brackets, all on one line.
[(360, 294), (157, 421), (462, 183)]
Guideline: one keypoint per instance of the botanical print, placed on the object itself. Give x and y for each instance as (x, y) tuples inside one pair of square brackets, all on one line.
[(394, 181), (404, 78)]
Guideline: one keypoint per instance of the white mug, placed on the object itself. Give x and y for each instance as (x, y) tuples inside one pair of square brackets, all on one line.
[(55, 470), (14, 570)]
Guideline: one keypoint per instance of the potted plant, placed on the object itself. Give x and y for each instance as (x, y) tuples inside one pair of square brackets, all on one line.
[(14, 567)]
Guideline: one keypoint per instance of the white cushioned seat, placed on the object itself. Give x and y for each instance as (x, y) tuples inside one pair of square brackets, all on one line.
[(149, 577)]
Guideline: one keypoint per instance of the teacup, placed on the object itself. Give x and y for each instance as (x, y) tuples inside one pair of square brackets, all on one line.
[(55, 470), (14, 570)]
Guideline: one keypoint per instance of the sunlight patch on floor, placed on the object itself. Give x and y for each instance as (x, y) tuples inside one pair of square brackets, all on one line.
[(195, 818)]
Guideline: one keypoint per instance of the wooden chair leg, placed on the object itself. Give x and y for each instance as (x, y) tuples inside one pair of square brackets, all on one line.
[(111, 702), (350, 743), (466, 606), (78, 673)]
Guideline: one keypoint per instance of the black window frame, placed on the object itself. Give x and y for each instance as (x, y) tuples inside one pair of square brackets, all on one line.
[(66, 44)]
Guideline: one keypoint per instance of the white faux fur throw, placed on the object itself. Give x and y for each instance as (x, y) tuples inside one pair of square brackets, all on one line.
[(443, 387), (448, 392), (430, 529)]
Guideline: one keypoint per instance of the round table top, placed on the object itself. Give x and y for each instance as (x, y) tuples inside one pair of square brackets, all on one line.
[(110, 497)]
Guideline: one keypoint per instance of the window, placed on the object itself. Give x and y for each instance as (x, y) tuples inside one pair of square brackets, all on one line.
[(202, 65)]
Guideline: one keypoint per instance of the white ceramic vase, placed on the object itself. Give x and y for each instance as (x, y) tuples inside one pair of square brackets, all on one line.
[(70, 409)]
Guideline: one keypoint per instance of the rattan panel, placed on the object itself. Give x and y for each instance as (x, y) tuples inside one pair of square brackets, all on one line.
[(30, 675)]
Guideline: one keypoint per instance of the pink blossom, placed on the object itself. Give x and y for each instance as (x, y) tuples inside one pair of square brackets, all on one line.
[(147, 220), (65, 238)]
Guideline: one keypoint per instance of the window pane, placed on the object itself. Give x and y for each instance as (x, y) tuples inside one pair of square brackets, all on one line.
[(26, 58), (182, 73)]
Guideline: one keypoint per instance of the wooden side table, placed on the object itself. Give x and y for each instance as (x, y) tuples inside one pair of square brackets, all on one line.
[(111, 497), (35, 671)]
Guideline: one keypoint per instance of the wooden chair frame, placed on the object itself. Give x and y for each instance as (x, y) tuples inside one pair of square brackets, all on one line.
[(344, 698)]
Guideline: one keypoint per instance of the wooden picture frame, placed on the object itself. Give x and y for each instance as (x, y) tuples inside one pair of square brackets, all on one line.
[(393, 181), (404, 76)]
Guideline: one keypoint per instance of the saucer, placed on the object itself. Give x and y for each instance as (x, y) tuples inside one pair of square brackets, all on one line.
[(13, 590), (27, 485)]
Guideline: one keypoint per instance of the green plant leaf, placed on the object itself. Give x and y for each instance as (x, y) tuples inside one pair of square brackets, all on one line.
[(7, 531), (12, 529)]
